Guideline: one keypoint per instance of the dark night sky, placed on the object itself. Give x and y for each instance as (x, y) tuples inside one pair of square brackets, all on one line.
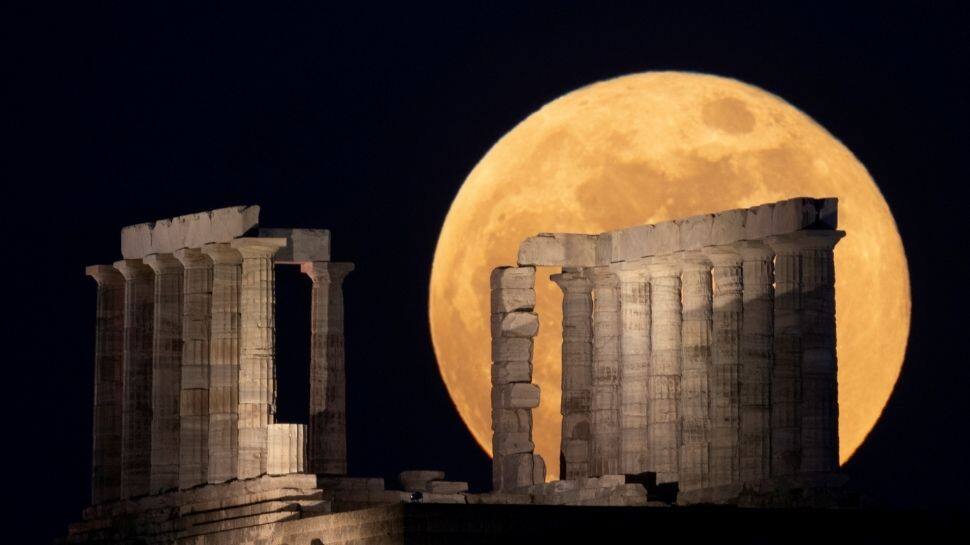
[(365, 121)]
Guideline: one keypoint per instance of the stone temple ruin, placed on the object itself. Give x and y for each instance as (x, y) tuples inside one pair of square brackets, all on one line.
[(699, 352), (698, 365)]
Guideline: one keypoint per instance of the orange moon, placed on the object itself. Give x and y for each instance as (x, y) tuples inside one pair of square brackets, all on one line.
[(646, 148)]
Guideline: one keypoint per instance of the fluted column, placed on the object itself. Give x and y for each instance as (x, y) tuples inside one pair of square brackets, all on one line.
[(166, 370), (605, 447), (663, 374), (137, 412), (327, 446), (725, 366), (108, 383), (786, 374), (695, 391), (194, 400), (257, 372), (820, 400), (757, 359), (224, 343), (577, 372), (634, 358)]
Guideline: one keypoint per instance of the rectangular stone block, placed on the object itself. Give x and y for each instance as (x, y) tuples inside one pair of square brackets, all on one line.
[(727, 227), (507, 372), (515, 324), (558, 250), (792, 215), (518, 396), (506, 443), (513, 278), (695, 231), (631, 243), (302, 245), (511, 349), (512, 299), (511, 420), (758, 222)]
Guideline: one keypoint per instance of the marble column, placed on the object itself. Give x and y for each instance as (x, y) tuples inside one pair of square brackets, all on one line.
[(663, 373), (634, 358), (194, 400), (577, 372), (820, 400), (108, 383), (786, 373), (605, 447), (725, 366), (757, 359), (166, 371), (137, 412), (257, 372), (327, 430), (695, 391), (224, 343)]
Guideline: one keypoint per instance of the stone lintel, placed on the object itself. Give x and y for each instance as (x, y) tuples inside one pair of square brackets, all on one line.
[(302, 245), (560, 250), (189, 231), (696, 232)]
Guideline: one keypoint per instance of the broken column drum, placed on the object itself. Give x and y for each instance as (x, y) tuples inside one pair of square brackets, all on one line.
[(185, 358), (701, 350)]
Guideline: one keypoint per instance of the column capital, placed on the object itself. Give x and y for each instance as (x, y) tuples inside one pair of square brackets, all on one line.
[(603, 276), (754, 250), (222, 254), (723, 256), (634, 270), (134, 269), (104, 275), (163, 263), (669, 265), (256, 247), (572, 280), (326, 271), (694, 261), (193, 258), (819, 240)]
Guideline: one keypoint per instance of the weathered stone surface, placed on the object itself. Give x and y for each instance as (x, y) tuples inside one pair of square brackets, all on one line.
[(511, 349), (517, 324), (512, 299), (663, 379), (519, 396), (189, 231), (257, 387), (286, 449), (694, 409), (224, 345), (605, 414), (513, 278), (559, 250), (302, 245), (634, 357), (577, 372), (506, 372), (696, 232)]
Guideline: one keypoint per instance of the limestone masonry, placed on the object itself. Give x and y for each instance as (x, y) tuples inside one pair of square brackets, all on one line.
[(698, 366)]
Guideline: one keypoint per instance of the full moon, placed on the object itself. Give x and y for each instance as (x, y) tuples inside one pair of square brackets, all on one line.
[(646, 148)]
